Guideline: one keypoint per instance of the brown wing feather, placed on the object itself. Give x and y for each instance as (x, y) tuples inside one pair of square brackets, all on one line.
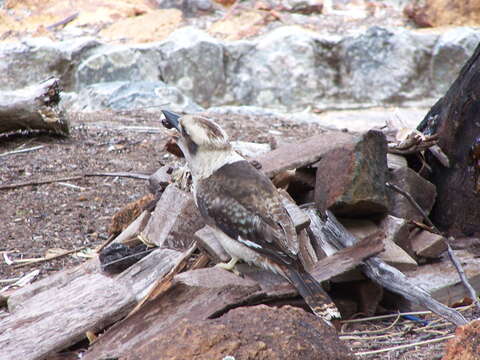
[(243, 201)]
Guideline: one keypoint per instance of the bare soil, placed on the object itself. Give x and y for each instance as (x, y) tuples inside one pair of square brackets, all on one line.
[(36, 218)]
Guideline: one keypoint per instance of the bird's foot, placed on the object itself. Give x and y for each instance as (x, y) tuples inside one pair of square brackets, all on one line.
[(230, 266)]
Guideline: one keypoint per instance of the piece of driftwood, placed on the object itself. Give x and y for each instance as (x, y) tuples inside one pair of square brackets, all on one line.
[(58, 310), (300, 154), (454, 119), (381, 273), (33, 108)]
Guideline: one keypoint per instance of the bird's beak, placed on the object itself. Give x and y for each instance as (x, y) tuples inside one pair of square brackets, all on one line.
[(172, 119)]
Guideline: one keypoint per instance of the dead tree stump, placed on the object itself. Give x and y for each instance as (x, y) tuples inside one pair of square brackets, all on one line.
[(456, 119), (33, 108)]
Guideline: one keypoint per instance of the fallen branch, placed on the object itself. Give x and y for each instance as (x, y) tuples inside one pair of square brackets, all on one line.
[(71, 178), (33, 108), (380, 272), (24, 262), (22, 150), (451, 255)]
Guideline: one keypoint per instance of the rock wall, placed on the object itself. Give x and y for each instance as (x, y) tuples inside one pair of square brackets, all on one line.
[(289, 69)]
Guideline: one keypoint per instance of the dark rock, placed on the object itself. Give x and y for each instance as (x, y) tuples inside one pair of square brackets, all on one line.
[(351, 178), (118, 257)]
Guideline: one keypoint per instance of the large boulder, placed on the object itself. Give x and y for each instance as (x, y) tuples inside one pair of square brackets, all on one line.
[(36, 59), (193, 61), (268, 334), (288, 68), (119, 63), (451, 51), (124, 95), (383, 66)]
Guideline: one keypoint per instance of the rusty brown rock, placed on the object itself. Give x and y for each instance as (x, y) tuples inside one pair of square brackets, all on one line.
[(351, 178), (423, 191), (466, 344), (270, 333), (429, 245), (174, 221), (427, 13)]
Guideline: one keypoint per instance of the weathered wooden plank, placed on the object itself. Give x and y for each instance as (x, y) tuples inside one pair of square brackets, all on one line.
[(308, 151), (56, 312), (174, 220)]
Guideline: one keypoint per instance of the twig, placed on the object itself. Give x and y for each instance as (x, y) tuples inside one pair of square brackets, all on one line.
[(39, 182), (23, 262), (463, 277), (405, 346), (451, 255), (120, 174), (63, 22), (78, 177), (22, 150), (374, 331), (380, 317)]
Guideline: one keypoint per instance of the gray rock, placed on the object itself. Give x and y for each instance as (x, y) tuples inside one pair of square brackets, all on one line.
[(193, 61), (451, 52), (36, 59), (122, 95), (188, 7), (385, 66), (423, 191), (120, 63), (289, 68)]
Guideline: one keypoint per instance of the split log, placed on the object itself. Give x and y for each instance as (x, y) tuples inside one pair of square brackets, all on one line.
[(454, 118), (33, 108), (58, 310), (387, 276)]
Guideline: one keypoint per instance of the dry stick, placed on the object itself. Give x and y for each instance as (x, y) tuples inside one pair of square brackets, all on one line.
[(78, 177), (24, 262), (22, 150), (451, 255), (404, 346)]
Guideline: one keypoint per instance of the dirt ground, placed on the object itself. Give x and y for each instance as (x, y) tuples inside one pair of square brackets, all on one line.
[(37, 218)]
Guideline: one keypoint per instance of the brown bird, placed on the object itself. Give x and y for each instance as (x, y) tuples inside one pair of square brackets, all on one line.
[(241, 201)]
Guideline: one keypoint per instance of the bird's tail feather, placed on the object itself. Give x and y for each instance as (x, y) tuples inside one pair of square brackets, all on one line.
[(313, 294)]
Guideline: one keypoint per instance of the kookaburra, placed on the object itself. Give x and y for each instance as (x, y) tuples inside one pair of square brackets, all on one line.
[(235, 197)]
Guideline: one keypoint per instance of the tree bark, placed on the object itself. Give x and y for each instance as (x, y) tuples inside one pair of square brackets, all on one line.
[(455, 118), (33, 108)]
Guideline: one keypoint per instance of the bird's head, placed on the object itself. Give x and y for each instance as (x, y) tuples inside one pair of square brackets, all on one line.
[(200, 139)]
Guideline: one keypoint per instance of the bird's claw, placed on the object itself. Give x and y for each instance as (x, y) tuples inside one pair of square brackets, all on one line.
[(230, 266)]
